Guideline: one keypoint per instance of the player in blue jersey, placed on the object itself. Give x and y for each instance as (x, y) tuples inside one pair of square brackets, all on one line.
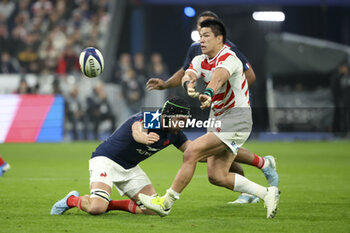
[(115, 163), (267, 164)]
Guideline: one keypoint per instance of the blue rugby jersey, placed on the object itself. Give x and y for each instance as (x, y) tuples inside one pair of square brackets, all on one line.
[(195, 50), (124, 150)]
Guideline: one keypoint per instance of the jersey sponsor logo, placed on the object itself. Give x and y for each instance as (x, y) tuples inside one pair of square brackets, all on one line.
[(151, 120), (103, 174), (152, 149), (143, 152)]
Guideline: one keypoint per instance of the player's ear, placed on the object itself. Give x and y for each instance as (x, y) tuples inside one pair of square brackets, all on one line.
[(220, 38)]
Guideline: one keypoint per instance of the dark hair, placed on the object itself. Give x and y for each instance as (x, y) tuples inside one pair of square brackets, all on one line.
[(209, 14), (217, 26), (176, 106)]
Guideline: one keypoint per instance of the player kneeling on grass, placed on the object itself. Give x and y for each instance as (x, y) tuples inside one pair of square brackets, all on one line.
[(229, 102), (115, 162)]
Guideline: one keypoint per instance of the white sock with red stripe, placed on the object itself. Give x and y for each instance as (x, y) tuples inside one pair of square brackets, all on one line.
[(244, 185), (260, 162)]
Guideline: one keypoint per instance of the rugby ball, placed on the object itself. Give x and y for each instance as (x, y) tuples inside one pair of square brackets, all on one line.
[(91, 62)]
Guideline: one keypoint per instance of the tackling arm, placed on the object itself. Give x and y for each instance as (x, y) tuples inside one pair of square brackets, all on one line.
[(173, 81), (141, 136)]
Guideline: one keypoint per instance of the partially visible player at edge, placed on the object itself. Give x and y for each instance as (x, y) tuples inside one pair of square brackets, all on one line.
[(267, 163), (115, 163), (228, 98), (4, 167)]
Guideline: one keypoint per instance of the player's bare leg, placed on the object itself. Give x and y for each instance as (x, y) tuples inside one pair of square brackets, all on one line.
[(244, 156), (203, 147), (218, 173), (236, 168), (96, 203), (218, 168), (198, 150), (263, 163), (141, 209)]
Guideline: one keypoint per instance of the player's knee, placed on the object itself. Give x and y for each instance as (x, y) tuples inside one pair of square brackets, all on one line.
[(215, 179), (191, 155), (99, 200), (97, 209), (236, 168)]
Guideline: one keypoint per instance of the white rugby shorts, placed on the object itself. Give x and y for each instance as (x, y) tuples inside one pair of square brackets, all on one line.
[(127, 181), (236, 125)]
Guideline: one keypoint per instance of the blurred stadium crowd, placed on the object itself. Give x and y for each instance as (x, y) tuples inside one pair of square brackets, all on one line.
[(43, 39), (40, 43), (44, 36)]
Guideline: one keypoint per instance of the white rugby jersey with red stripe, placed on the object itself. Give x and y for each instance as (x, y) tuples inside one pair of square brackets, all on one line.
[(234, 93)]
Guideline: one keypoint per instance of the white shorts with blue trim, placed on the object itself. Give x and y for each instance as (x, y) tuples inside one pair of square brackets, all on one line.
[(127, 181)]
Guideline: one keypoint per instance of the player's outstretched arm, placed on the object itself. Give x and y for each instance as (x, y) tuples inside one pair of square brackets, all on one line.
[(173, 81), (141, 136), (219, 77)]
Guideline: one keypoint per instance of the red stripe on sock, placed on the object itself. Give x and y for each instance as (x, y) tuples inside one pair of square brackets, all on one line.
[(258, 161), (74, 201), (124, 205)]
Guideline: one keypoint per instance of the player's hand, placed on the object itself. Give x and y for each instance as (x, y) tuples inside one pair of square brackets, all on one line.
[(155, 84), (205, 101), (151, 138), (192, 92)]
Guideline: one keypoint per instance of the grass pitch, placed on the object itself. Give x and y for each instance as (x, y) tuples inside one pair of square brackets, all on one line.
[(314, 180)]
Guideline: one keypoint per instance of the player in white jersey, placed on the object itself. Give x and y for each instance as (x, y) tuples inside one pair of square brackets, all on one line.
[(228, 98), (267, 163)]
